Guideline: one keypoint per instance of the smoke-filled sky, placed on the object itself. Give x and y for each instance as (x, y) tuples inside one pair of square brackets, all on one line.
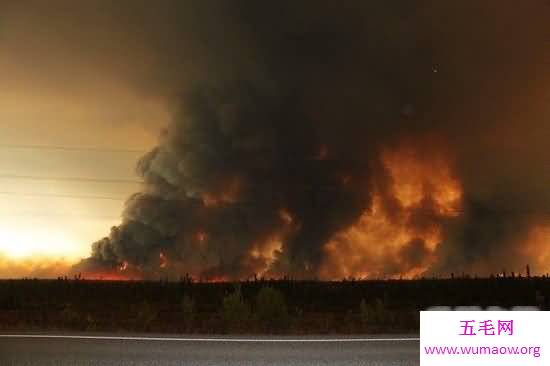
[(307, 138)]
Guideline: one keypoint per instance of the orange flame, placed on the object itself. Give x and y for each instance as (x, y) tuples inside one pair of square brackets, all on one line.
[(381, 245), (216, 279), (123, 266), (107, 276), (417, 178), (201, 236), (535, 250), (266, 253), (201, 240), (228, 195), (163, 260)]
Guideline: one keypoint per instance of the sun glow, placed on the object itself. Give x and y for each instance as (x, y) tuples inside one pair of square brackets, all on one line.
[(17, 242)]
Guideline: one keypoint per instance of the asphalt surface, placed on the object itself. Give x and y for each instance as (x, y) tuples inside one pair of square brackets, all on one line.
[(202, 351)]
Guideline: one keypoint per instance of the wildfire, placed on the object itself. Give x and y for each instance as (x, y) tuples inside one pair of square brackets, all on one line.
[(286, 216), (163, 260), (229, 194), (123, 266), (271, 249), (107, 276), (395, 245), (215, 279), (418, 178), (123, 272), (201, 236), (201, 239), (535, 249), (267, 253)]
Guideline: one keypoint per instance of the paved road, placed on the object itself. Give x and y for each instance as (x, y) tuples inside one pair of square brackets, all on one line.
[(194, 351)]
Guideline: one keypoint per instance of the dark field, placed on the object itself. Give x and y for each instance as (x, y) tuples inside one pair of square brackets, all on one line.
[(291, 307)]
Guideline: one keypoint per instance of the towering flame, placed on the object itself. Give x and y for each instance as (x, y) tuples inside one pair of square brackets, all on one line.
[(398, 235), (341, 141), (416, 179)]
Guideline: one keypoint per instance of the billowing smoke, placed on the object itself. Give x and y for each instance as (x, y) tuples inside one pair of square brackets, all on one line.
[(321, 138)]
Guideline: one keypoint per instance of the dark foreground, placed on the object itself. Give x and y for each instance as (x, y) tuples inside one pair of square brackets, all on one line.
[(206, 351), (259, 307)]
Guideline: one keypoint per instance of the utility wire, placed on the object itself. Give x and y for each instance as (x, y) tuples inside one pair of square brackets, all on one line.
[(74, 179), (5, 193), (69, 148), (55, 214)]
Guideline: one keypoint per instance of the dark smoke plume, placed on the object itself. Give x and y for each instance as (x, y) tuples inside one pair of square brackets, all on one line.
[(282, 109)]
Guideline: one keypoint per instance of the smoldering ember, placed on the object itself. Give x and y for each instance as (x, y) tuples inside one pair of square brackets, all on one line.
[(313, 141)]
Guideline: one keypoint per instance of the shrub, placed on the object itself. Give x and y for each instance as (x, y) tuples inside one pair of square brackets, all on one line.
[(235, 311), (271, 310), (373, 313), (365, 313), (91, 323), (188, 310), (381, 315), (71, 316), (146, 315)]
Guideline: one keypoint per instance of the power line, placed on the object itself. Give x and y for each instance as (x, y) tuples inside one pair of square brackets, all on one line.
[(6, 193), (74, 179), (55, 214), (70, 148)]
